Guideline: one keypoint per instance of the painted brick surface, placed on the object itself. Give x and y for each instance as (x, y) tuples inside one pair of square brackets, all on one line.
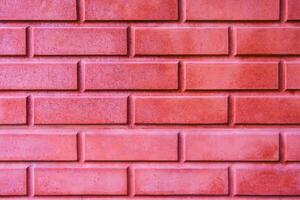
[(13, 41), (149, 99), (232, 10), (181, 181)]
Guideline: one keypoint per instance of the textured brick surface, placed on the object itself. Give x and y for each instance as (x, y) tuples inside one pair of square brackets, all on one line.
[(267, 41), (38, 76), (181, 110), (131, 10), (293, 10), (233, 10), (80, 41), (16, 146), (80, 181), (231, 76), (38, 10), (240, 146), (267, 110), (13, 110), (13, 182), (281, 181), (80, 110), (150, 99), (181, 41), (131, 76), (12, 41), (125, 145), (181, 181)]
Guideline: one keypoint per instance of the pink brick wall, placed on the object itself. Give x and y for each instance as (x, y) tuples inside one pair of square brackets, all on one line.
[(149, 99)]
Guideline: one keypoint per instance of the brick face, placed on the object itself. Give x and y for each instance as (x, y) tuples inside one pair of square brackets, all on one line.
[(149, 99), (267, 41), (12, 41), (281, 181), (13, 110), (232, 10), (124, 145), (80, 181), (181, 181), (131, 76), (38, 10), (240, 146), (131, 10), (50, 146), (38, 76), (13, 182), (177, 110), (80, 41), (231, 76), (181, 41), (267, 110), (76, 110)]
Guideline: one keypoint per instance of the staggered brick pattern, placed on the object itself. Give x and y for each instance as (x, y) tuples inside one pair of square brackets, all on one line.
[(149, 99)]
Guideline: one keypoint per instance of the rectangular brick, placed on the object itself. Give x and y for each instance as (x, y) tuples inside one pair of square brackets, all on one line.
[(38, 10), (137, 145), (232, 10), (231, 76), (183, 181), (80, 181), (269, 180), (292, 146), (181, 110), (80, 41), (181, 41), (267, 41), (13, 182), (40, 146), (107, 10), (13, 110), (267, 110), (80, 110), (293, 7), (131, 76), (232, 145), (38, 76), (292, 76), (13, 41)]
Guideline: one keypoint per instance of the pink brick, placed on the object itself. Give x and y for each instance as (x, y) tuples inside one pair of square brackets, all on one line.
[(13, 110), (231, 76), (41, 146), (80, 41), (80, 181), (136, 145), (267, 110), (181, 41), (38, 10), (181, 110), (184, 181), (131, 76), (13, 182), (13, 41), (232, 145), (38, 76), (131, 10), (80, 110), (293, 76), (268, 180), (292, 146), (268, 41), (293, 9), (232, 10)]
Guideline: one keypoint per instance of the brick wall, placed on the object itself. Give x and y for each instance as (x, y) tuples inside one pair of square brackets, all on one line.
[(154, 99)]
